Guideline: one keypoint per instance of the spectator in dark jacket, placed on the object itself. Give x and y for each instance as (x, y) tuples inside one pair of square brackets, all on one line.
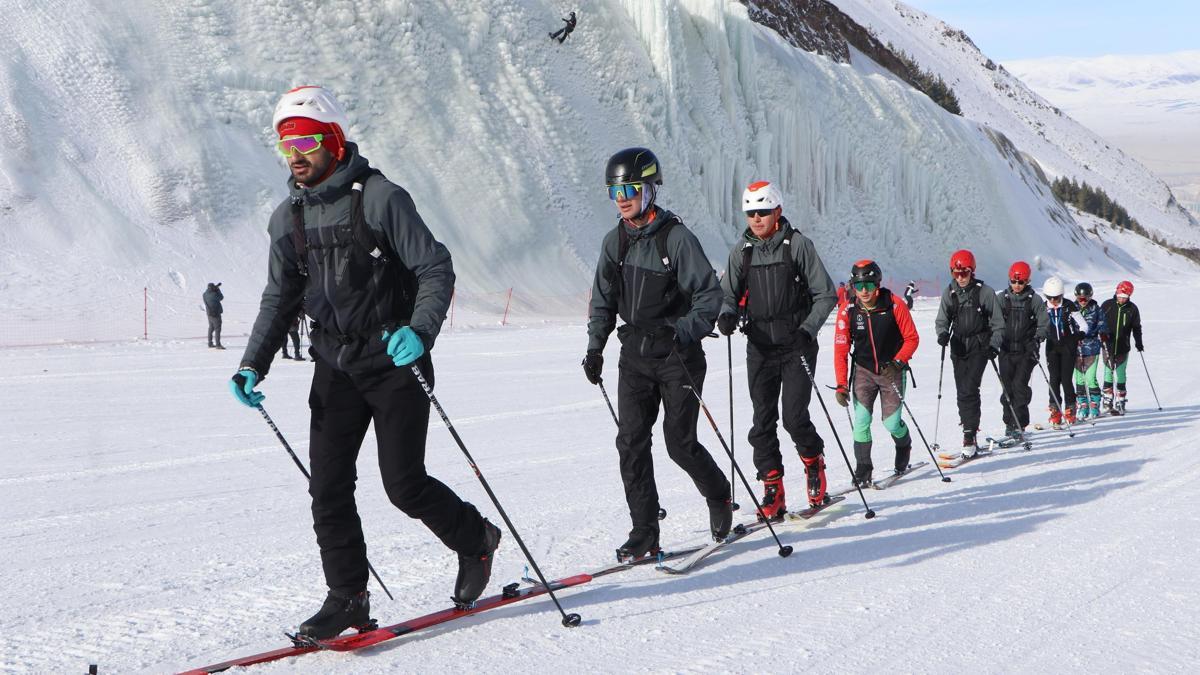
[(212, 306)]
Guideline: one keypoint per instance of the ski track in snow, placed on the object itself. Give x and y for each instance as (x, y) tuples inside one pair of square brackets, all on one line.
[(150, 524)]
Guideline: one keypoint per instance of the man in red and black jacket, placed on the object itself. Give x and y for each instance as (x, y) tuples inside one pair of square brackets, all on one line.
[(877, 332)]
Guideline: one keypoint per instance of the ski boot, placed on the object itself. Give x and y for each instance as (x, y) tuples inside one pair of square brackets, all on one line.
[(862, 475), (814, 470), (720, 518), (774, 506), (1056, 418), (1069, 416), (285, 355), (903, 453), (1095, 406), (1119, 404), (220, 346), (969, 448), (475, 570), (1081, 404), (643, 541), (339, 612), (1106, 400)]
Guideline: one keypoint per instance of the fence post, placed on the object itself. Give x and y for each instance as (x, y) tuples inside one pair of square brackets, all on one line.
[(504, 321), (145, 313)]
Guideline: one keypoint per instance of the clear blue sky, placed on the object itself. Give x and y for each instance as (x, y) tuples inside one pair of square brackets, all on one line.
[(1025, 29)]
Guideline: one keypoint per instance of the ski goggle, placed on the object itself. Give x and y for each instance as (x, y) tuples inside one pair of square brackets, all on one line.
[(626, 191), (865, 286), (301, 144), (1018, 282), (960, 272), (759, 213)]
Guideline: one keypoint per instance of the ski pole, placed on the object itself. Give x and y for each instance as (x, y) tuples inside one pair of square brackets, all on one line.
[(733, 505), (937, 418), (1057, 401), (1150, 380), (1006, 396), (609, 402), (569, 620), (784, 551), (911, 416), (812, 381), (300, 465)]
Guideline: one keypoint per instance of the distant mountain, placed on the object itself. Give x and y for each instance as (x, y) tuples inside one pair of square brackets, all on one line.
[(1148, 105)]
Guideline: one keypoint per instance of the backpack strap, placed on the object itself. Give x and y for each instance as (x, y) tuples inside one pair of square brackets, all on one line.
[(364, 236), (660, 242), (299, 239)]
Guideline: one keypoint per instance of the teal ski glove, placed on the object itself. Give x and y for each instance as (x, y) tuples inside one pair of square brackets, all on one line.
[(404, 346), (242, 386)]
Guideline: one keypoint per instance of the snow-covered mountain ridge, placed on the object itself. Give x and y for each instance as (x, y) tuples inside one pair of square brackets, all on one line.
[(138, 149)]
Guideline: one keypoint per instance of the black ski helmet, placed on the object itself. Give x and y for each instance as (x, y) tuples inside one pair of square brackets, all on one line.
[(866, 270), (633, 165), (1084, 289)]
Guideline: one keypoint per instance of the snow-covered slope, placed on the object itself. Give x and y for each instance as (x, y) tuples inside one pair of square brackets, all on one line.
[(990, 94), (1149, 105), (138, 149)]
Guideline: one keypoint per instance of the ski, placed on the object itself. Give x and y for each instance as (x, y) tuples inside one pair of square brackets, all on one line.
[(510, 594), (953, 461), (896, 476), (803, 518), (657, 558), (1009, 442)]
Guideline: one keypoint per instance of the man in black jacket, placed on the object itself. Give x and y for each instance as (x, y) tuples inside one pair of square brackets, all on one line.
[(778, 284), (1024, 330), (562, 33), (212, 307), (1124, 320), (378, 291), (653, 273)]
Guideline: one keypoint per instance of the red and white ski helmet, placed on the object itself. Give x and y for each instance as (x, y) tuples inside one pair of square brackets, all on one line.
[(1124, 289), (1020, 271), (761, 195), (314, 103), (962, 259)]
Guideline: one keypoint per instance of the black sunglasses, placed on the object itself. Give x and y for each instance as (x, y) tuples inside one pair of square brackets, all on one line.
[(760, 213)]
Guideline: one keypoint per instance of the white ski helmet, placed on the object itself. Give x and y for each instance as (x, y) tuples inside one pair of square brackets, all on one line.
[(761, 195), (315, 103), (1053, 287)]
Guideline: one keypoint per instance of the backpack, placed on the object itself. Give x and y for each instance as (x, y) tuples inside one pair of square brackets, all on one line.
[(797, 273), (375, 245)]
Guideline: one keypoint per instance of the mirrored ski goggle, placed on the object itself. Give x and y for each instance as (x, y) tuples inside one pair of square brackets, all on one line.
[(960, 272), (1018, 282), (759, 213), (865, 285), (301, 144), (626, 191)]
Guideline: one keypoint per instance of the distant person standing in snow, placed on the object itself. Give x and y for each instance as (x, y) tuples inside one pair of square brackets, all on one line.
[(777, 283), (1087, 358), (351, 246), (294, 334), (212, 306), (654, 274), (1024, 330), (1062, 338), (970, 322), (1124, 320), (562, 33), (843, 297), (909, 292)]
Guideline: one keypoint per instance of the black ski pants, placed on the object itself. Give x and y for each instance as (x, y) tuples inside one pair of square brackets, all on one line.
[(1015, 371), (770, 370), (343, 405), (643, 384), (295, 336), (968, 375), (1060, 370)]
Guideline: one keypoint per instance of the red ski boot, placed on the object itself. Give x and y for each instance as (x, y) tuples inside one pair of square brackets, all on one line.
[(773, 505), (814, 469)]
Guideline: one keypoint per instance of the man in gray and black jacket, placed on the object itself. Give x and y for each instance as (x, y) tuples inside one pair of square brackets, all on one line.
[(351, 246), (971, 323), (212, 307), (654, 274), (778, 289)]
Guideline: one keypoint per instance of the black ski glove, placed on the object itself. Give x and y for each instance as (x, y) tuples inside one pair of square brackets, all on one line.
[(1139, 346), (992, 352), (593, 363), (943, 339), (727, 323), (803, 340)]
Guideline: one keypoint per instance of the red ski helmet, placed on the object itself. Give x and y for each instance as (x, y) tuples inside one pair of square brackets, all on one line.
[(1019, 271), (962, 259), (1125, 289)]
